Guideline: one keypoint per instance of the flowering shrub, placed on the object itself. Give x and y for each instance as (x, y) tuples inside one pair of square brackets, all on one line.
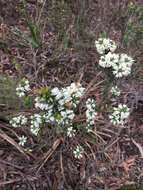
[(58, 106), (54, 106), (121, 66)]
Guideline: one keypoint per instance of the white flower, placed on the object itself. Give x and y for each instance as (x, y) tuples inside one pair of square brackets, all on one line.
[(22, 88), (120, 114), (36, 121), (69, 95), (108, 60), (90, 113), (58, 106), (18, 121), (42, 104), (115, 91), (20, 91), (121, 63), (70, 114), (124, 58), (57, 93), (103, 63), (78, 152), (71, 132), (111, 58), (105, 44), (22, 140), (48, 117), (67, 116), (123, 66), (72, 93)]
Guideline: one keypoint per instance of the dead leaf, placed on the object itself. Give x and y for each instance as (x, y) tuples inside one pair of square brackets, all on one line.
[(127, 164)]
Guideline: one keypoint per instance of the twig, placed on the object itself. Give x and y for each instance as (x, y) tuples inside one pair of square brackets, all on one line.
[(49, 153), (13, 165), (139, 147)]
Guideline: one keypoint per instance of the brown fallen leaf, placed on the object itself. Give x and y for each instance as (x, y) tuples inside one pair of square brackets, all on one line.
[(127, 164)]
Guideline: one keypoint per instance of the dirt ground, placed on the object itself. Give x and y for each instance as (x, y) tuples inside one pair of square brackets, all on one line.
[(62, 52)]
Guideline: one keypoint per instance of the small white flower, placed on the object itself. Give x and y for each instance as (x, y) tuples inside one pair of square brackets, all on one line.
[(67, 116), (22, 140), (56, 92), (22, 88), (73, 92), (103, 63), (71, 132), (78, 152), (115, 91), (120, 114), (36, 121), (90, 113), (124, 58), (42, 104)]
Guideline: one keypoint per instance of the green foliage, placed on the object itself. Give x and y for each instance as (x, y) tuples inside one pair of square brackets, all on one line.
[(33, 38), (44, 92), (134, 29), (9, 103), (28, 102), (60, 16), (7, 95)]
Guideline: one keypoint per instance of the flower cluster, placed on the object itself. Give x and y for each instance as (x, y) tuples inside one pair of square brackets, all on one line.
[(108, 60), (59, 104), (36, 122), (104, 45), (123, 66), (18, 121), (41, 104), (120, 63), (90, 113), (78, 152), (23, 88), (56, 106), (71, 94), (115, 91), (120, 114)]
